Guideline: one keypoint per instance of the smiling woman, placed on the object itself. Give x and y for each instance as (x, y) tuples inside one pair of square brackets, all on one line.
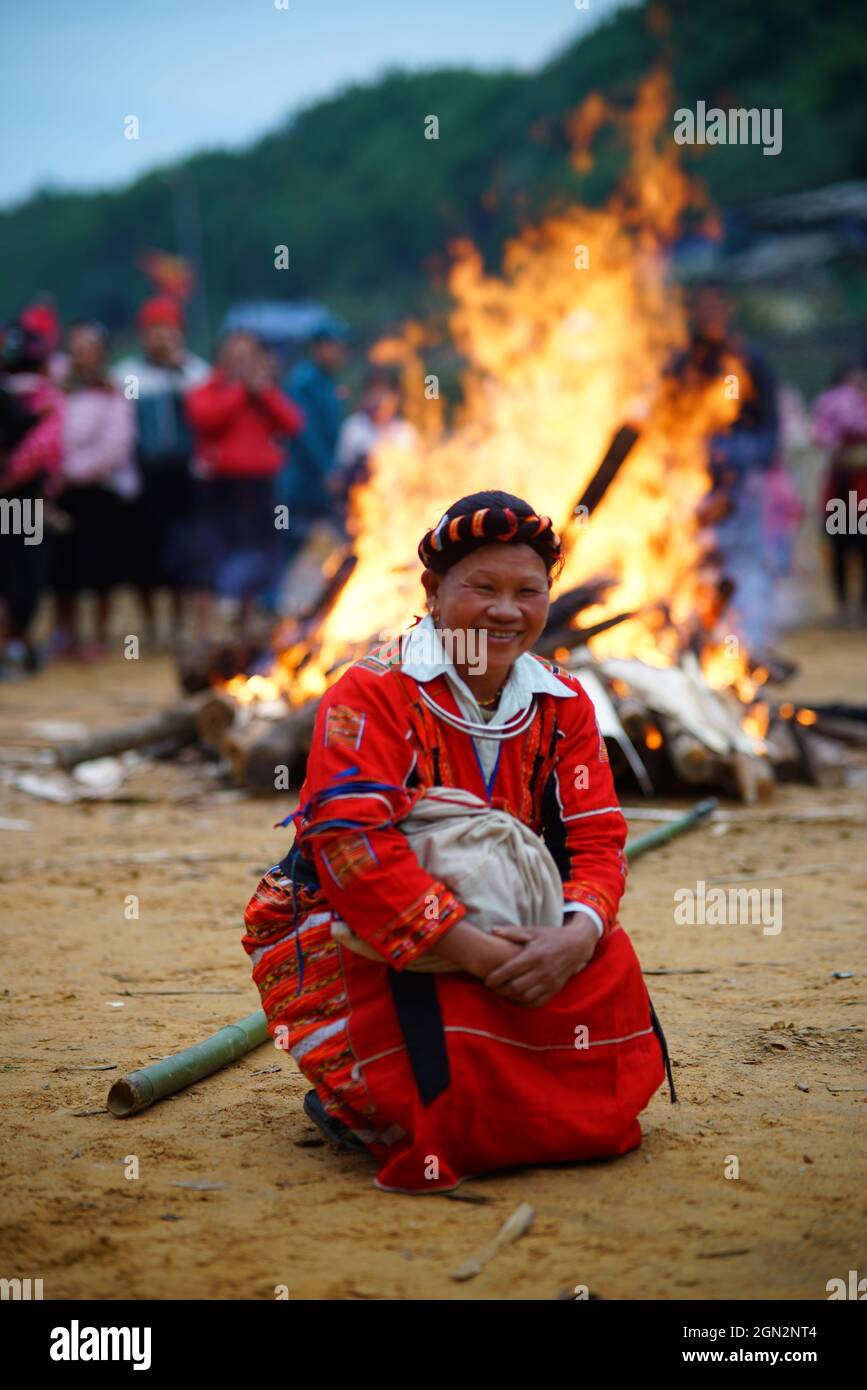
[(536, 1041)]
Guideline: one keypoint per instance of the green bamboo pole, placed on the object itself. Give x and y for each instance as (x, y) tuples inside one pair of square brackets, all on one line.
[(140, 1089), (653, 838)]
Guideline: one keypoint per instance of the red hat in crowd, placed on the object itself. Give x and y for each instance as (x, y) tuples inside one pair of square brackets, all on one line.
[(161, 309), (41, 321)]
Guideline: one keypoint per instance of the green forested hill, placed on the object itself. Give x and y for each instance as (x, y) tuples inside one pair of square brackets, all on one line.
[(367, 205)]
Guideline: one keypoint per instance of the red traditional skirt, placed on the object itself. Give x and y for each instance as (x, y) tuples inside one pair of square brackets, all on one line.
[(444, 1079)]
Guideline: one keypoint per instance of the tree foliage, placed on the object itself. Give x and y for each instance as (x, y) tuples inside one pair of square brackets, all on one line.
[(367, 205)]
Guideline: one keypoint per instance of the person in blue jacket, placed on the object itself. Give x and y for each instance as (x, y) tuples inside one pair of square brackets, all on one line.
[(303, 483)]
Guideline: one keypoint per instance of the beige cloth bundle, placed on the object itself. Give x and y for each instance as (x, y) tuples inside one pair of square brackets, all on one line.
[(495, 865)]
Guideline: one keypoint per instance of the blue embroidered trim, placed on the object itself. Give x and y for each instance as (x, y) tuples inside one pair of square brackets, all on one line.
[(488, 784)]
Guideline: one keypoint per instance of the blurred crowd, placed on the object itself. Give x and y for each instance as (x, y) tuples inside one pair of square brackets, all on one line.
[(757, 502), (163, 473)]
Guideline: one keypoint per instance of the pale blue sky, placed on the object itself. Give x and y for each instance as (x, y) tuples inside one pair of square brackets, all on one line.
[(205, 73)]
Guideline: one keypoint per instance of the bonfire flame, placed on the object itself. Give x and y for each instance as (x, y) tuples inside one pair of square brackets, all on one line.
[(572, 340)]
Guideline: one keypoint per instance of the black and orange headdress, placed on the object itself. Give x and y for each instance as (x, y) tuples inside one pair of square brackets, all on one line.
[(466, 527)]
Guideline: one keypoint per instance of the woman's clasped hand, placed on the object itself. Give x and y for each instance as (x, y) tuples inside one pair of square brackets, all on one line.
[(549, 957)]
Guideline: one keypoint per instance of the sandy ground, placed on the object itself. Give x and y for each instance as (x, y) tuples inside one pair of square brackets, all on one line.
[(769, 1053)]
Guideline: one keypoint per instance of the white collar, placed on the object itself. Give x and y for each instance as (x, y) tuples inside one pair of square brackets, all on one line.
[(423, 657)]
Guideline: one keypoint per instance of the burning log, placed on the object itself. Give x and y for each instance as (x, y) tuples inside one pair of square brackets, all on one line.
[(784, 751), (692, 761), (682, 727), (841, 711), (753, 777), (841, 727), (176, 724), (802, 746), (201, 665), (615, 456), (216, 714), (335, 583), (612, 728), (564, 608), (559, 631), (779, 669), (315, 608), (258, 749), (825, 764), (573, 637)]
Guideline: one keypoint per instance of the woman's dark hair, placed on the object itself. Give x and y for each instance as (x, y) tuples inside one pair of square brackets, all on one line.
[(380, 376), (465, 506), (93, 326)]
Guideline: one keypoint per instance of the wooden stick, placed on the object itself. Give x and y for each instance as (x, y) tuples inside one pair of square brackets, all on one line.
[(852, 731), (215, 716), (140, 1089), (255, 751), (177, 722), (511, 1230)]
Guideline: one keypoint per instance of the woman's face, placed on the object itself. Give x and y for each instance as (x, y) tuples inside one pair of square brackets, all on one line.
[(239, 354), (501, 590), (86, 352)]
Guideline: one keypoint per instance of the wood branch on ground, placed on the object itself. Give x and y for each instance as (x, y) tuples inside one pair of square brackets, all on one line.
[(178, 722)]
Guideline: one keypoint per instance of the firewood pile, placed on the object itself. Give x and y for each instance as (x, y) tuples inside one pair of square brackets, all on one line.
[(666, 728)]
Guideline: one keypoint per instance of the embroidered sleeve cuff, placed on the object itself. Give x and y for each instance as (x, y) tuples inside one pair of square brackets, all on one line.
[(419, 927), (592, 900)]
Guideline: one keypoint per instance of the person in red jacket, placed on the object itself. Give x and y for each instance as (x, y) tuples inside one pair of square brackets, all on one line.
[(239, 417), (541, 1045)]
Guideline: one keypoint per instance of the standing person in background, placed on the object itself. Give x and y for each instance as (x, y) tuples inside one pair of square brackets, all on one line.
[(303, 483), (376, 421), (240, 418), (99, 479), (30, 453), (161, 377), (741, 458), (840, 428)]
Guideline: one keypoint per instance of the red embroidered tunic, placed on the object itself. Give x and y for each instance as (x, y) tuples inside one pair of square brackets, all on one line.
[(562, 1082)]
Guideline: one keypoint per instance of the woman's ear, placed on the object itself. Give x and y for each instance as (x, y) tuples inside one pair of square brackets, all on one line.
[(431, 582)]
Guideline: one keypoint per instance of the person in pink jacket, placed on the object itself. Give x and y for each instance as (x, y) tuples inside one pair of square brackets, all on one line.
[(99, 479)]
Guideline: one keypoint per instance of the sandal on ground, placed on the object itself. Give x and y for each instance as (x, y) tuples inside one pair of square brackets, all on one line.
[(332, 1128)]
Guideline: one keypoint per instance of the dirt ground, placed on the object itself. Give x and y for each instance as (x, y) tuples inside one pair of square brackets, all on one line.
[(769, 1052)]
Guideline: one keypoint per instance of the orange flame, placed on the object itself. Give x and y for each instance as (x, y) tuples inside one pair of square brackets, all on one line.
[(571, 340)]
